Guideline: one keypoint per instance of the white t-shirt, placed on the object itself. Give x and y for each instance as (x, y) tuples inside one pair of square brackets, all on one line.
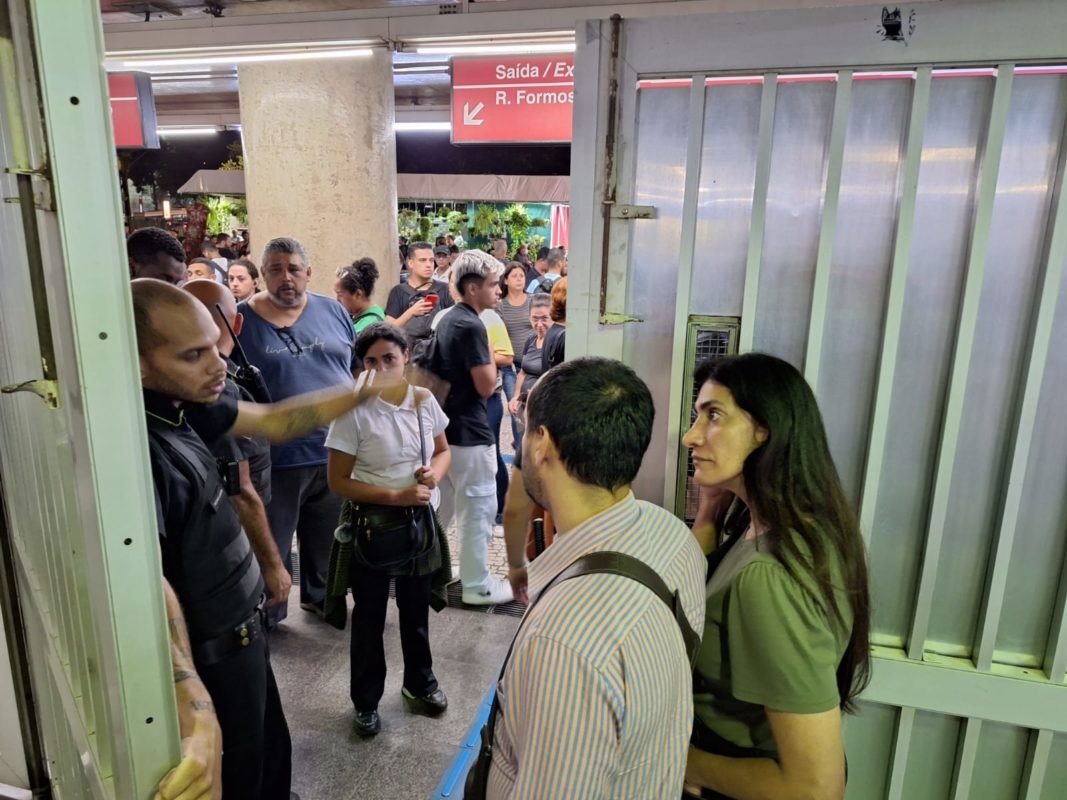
[(385, 438)]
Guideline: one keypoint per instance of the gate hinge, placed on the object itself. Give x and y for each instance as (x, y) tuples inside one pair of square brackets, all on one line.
[(615, 318), (45, 389), (40, 171), (624, 211)]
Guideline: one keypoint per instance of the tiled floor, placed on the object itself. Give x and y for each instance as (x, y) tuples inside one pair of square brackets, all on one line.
[(407, 759)]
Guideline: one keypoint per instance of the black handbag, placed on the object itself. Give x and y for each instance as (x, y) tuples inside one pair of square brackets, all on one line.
[(390, 537), (608, 562)]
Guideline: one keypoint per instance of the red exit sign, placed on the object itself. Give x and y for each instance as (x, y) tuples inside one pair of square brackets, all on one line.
[(512, 99), (133, 110)]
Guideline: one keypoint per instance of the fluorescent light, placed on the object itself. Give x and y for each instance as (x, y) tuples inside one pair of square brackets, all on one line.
[(498, 49), (160, 52), (458, 40), (439, 68), (188, 130), (422, 126), (305, 55), (166, 209)]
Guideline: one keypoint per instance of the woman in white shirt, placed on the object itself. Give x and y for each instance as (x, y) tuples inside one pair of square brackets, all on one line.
[(375, 457)]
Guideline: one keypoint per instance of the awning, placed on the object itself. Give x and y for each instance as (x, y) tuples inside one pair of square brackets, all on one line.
[(484, 188), (215, 181)]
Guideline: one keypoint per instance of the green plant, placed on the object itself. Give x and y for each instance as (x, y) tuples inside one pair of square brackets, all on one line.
[(487, 221), (224, 213), (518, 224), (407, 222), (425, 227)]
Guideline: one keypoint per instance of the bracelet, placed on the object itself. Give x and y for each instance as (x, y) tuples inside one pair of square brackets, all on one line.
[(524, 565)]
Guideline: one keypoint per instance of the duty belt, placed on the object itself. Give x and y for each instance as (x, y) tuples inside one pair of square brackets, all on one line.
[(230, 643)]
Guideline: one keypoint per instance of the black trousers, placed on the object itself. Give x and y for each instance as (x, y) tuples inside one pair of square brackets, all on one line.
[(301, 502), (370, 591), (257, 751)]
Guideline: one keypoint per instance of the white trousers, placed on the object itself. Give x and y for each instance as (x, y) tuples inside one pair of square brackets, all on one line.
[(468, 493)]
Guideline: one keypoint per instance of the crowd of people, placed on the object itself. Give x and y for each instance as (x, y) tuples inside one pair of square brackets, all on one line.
[(654, 661)]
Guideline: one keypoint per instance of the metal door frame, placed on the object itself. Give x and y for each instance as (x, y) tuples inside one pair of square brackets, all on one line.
[(611, 57), (92, 599)]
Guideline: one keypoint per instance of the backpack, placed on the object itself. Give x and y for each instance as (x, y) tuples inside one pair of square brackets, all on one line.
[(424, 353), (544, 285)]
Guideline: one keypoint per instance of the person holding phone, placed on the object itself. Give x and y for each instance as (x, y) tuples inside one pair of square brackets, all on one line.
[(413, 305), (785, 648)]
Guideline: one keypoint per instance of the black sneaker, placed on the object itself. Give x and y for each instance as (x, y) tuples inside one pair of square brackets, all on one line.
[(367, 723), (430, 705), (314, 608)]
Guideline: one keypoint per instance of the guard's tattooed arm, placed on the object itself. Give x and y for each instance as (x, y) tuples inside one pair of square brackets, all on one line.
[(199, 775), (294, 417)]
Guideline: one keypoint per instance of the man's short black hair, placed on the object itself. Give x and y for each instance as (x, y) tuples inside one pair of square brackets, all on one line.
[(418, 246), (542, 253), (599, 413), (145, 245)]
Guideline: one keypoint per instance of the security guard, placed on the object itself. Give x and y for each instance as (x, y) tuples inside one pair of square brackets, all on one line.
[(206, 557)]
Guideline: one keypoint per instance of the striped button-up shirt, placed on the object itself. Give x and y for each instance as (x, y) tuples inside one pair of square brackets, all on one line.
[(596, 700)]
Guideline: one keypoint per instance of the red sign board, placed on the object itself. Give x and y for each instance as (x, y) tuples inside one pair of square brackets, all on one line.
[(133, 109), (512, 99)]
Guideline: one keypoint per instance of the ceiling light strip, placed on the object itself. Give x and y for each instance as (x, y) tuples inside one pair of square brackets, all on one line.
[(499, 50), (307, 55)]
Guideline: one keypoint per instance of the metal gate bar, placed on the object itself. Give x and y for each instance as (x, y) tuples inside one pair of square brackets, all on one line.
[(894, 307), (759, 210), (820, 294), (1037, 756), (690, 207), (1056, 653), (1041, 340), (899, 757), (966, 758), (961, 359)]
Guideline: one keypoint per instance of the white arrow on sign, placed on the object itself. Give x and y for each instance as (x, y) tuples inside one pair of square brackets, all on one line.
[(470, 116)]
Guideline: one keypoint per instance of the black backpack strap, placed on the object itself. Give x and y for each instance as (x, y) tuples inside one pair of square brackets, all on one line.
[(612, 563)]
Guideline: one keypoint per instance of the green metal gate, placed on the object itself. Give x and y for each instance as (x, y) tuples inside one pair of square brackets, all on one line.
[(877, 198)]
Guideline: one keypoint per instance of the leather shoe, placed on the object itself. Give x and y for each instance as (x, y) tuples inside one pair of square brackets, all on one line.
[(367, 723), (429, 705)]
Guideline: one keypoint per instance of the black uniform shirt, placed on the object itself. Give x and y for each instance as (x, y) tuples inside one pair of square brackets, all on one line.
[(205, 555), (174, 492)]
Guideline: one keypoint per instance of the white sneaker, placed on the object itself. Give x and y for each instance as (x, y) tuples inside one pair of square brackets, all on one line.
[(498, 592)]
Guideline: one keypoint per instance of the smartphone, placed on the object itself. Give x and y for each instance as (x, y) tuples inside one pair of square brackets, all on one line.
[(432, 298)]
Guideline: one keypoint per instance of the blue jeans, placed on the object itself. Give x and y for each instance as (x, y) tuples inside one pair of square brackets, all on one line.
[(510, 376), (495, 407)]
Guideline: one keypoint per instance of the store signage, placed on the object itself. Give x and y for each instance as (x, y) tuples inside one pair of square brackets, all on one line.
[(133, 109), (512, 99)]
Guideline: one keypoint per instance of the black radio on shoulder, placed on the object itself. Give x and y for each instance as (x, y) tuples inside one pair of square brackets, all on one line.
[(249, 378), (230, 475)]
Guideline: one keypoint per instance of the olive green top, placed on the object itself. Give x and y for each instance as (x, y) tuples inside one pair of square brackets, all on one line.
[(767, 643)]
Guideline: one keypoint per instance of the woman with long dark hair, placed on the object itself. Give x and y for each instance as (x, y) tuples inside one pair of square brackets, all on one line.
[(785, 649)]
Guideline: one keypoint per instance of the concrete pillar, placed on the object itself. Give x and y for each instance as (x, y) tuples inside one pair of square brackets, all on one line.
[(320, 161)]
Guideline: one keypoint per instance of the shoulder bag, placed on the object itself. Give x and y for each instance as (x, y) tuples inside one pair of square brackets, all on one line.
[(389, 537)]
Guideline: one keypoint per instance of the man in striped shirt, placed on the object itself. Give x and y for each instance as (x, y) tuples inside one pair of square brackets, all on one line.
[(596, 699)]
